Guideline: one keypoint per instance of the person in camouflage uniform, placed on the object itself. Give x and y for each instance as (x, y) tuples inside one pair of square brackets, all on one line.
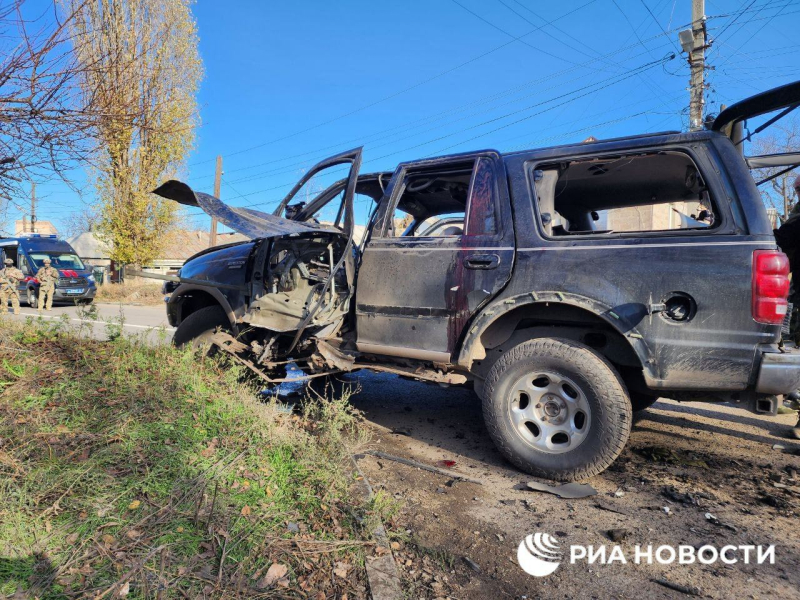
[(47, 276), (788, 238), (10, 277)]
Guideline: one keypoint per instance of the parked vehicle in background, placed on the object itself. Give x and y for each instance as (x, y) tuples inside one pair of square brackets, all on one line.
[(76, 282), (570, 285)]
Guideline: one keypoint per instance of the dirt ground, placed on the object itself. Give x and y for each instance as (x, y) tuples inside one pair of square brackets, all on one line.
[(722, 457)]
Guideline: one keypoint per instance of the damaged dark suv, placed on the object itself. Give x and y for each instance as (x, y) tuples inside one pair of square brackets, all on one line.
[(570, 286)]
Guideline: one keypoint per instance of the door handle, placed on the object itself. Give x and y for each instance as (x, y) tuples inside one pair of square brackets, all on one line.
[(482, 261)]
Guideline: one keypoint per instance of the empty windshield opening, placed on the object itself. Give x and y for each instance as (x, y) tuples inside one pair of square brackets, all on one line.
[(659, 191)]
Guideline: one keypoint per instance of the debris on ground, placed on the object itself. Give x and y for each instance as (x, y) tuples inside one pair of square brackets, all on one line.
[(617, 535), (419, 465), (472, 564), (684, 498), (568, 491), (683, 589), (670, 456)]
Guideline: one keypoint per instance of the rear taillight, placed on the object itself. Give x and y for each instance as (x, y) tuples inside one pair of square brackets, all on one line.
[(770, 286)]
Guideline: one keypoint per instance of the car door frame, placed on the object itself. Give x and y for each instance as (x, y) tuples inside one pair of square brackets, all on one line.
[(457, 283)]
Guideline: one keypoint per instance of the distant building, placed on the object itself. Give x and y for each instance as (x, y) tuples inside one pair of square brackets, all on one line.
[(774, 219), (182, 244), (44, 227)]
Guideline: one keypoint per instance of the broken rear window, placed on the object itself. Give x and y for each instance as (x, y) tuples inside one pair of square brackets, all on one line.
[(659, 191)]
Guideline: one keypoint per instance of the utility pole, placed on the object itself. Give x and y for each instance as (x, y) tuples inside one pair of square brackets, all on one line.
[(697, 57), (33, 207), (212, 238)]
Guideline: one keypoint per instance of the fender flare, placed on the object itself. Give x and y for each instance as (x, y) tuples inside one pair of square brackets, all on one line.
[(494, 311), (185, 288)]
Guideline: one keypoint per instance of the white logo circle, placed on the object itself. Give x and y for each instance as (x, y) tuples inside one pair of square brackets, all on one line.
[(538, 554)]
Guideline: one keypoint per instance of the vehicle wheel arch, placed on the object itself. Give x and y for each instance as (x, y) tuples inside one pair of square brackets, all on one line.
[(190, 298), (500, 321)]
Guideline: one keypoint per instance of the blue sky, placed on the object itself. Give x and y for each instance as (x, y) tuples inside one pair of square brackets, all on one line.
[(287, 84)]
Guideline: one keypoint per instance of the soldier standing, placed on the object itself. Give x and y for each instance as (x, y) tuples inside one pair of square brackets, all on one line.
[(47, 277), (10, 277), (788, 238)]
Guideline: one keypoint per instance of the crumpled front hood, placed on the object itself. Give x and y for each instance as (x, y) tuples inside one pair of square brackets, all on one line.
[(252, 223)]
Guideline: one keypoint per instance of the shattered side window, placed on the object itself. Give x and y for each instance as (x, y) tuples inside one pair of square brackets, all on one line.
[(648, 192), (432, 202)]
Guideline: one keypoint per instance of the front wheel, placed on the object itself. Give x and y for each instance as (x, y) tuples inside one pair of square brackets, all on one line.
[(556, 409), (198, 328)]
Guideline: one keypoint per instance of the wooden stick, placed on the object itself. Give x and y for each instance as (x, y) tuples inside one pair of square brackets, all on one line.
[(132, 572), (690, 591), (423, 466)]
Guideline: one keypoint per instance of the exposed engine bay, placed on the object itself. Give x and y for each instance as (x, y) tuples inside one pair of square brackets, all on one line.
[(299, 298)]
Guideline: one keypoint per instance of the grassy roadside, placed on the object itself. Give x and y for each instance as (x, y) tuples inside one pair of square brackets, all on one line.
[(130, 292), (147, 472)]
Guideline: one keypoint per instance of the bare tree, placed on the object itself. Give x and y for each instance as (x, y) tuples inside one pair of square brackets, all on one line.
[(44, 121), (80, 221), (778, 193)]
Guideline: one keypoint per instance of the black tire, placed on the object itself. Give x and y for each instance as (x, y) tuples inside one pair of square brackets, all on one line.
[(33, 298), (196, 329), (599, 387), (640, 401)]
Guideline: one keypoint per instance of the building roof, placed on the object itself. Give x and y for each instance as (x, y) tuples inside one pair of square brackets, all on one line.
[(88, 245), (45, 227), (181, 244)]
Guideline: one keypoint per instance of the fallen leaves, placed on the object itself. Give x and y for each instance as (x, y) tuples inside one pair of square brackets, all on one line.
[(210, 449), (246, 510), (134, 505), (276, 575), (341, 569)]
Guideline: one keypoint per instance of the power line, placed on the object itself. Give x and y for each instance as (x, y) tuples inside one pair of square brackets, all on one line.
[(607, 83), (402, 91), (511, 35), (754, 34), (438, 116), (660, 26)]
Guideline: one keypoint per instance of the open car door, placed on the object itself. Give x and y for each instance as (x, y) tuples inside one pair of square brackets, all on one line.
[(733, 122)]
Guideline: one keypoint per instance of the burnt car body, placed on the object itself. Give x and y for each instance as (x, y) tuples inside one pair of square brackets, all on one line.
[(570, 285)]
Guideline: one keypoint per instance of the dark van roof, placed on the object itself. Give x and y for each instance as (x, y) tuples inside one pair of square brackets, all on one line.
[(35, 241)]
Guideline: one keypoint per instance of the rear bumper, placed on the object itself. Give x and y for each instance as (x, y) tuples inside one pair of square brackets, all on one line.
[(779, 372)]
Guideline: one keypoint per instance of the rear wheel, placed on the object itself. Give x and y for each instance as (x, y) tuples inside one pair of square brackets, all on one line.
[(556, 409), (199, 327)]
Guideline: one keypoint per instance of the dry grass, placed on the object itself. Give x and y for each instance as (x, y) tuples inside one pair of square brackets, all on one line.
[(127, 469), (130, 292)]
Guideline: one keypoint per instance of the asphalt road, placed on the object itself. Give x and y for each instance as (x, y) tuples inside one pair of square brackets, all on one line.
[(148, 321)]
